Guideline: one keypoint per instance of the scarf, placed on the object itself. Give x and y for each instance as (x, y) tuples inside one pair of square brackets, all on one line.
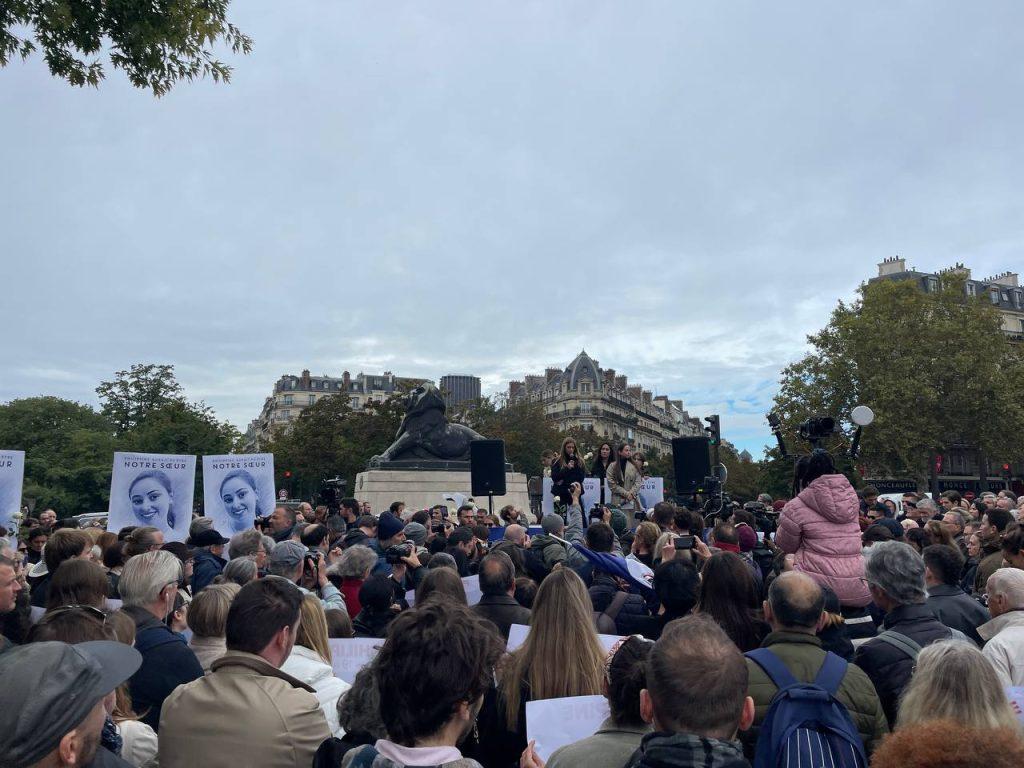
[(683, 750)]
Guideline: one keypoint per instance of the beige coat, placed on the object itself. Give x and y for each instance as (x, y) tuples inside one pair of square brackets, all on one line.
[(245, 712), (621, 485)]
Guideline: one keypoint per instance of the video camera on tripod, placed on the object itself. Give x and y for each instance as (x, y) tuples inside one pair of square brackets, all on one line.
[(817, 429)]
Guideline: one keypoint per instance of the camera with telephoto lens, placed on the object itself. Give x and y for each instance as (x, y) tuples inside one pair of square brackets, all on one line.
[(393, 555), (263, 523), (596, 513)]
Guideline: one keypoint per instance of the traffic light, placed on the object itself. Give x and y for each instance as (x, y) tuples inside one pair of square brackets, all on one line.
[(287, 474), (1007, 473), (714, 429)]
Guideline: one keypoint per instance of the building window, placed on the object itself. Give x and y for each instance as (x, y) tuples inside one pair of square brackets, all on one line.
[(286, 415), (585, 407), (287, 399), (994, 295), (971, 289), (312, 399), (933, 284), (585, 387)]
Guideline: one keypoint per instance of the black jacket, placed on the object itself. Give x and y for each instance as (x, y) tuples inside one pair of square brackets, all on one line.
[(954, 608), (40, 590), (631, 616), (563, 477), (502, 611), (205, 568), (369, 623), (167, 662), (890, 668)]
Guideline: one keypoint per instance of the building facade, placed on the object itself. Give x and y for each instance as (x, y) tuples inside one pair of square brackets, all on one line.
[(586, 396), (458, 389), (1003, 290), (293, 394)]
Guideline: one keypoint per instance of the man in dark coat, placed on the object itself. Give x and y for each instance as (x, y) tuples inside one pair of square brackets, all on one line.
[(149, 583), (950, 604), (497, 587), (207, 562), (895, 576)]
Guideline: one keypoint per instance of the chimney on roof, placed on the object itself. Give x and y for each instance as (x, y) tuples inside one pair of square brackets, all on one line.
[(550, 373), (621, 382), (516, 389), (346, 380), (892, 266)]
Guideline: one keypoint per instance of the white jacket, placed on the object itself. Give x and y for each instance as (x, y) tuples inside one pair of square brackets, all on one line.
[(307, 666), (1004, 646), (140, 743)]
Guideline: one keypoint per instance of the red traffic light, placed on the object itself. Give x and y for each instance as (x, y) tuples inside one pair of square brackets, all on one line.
[(287, 473)]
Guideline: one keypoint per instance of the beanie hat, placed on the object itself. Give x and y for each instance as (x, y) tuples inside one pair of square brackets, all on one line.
[(388, 526), (747, 537), (552, 524), (416, 533)]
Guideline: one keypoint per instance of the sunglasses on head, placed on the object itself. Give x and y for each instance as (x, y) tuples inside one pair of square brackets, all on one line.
[(89, 609)]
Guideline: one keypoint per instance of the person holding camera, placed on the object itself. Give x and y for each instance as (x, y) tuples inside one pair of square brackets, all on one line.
[(624, 479), (566, 469), (307, 570), (397, 557)]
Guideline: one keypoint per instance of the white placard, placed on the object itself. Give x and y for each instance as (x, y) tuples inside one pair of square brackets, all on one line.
[(237, 489), (12, 476), (517, 636), (152, 489), (652, 491), (349, 655), (470, 583), (554, 723), (591, 496)]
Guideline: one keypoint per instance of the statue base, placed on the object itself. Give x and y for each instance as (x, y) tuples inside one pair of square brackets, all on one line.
[(425, 488)]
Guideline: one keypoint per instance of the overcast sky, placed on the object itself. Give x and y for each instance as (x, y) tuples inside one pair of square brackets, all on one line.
[(438, 187)]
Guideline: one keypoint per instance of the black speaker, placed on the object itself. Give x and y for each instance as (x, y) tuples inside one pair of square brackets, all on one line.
[(691, 460), (487, 467)]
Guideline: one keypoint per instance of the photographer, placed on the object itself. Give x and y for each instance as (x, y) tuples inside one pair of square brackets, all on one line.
[(566, 469), (396, 557), (307, 570)]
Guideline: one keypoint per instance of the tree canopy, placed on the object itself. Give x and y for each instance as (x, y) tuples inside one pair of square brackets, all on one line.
[(934, 366), (156, 44)]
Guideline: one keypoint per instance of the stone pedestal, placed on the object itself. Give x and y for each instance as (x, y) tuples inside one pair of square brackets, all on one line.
[(422, 488)]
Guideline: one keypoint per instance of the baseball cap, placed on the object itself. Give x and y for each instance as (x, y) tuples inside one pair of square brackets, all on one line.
[(53, 687), (287, 553), (208, 538)]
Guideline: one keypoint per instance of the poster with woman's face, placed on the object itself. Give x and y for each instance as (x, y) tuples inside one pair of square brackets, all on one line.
[(237, 489), (12, 473), (152, 489)]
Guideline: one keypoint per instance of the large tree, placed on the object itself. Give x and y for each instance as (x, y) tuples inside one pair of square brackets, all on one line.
[(156, 43), (934, 366), (68, 452)]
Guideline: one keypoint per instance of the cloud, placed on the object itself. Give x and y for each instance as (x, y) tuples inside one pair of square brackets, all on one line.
[(683, 191)]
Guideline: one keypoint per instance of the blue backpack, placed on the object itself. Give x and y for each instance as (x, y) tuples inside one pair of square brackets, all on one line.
[(806, 724)]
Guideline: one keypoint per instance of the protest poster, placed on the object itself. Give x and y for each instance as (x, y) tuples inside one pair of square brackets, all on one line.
[(554, 723), (237, 489), (152, 489), (517, 636), (349, 655), (652, 491), (591, 495), (12, 476), (470, 583)]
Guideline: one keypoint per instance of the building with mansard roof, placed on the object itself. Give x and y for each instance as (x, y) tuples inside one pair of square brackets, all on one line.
[(585, 395)]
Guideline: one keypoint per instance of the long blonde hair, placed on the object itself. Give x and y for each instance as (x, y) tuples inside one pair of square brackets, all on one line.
[(562, 655), (953, 680), (313, 628)]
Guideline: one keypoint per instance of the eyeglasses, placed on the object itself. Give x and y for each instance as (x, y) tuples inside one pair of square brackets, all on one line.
[(92, 610)]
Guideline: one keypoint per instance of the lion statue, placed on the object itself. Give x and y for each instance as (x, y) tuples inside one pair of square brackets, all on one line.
[(425, 433)]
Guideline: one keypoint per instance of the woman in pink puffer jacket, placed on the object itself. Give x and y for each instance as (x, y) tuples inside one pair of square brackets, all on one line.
[(820, 527)]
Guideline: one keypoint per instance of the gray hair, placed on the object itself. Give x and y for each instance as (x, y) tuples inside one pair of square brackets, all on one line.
[(245, 544), (240, 571), (898, 570), (354, 562), (145, 575), (929, 504), (268, 544), (199, 525), (1008, 582)]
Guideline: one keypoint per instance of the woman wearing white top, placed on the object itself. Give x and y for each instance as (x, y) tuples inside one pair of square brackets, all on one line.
[(310, 662)]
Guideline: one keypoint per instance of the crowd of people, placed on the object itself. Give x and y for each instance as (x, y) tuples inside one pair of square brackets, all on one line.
[(827, 627)]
